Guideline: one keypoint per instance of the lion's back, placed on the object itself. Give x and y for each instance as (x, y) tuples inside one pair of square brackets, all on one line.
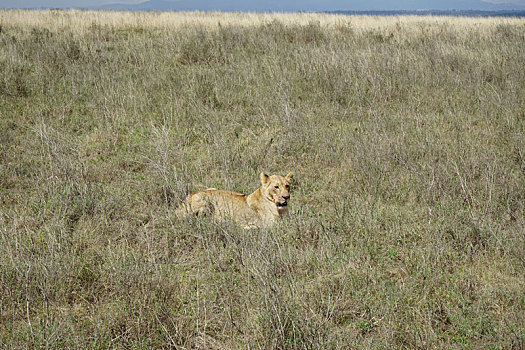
[(221, 204)]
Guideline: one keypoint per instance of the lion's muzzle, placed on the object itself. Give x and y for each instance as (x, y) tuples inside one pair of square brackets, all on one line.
[(282, 201)]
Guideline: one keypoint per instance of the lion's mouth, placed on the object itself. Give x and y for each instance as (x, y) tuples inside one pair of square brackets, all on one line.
[(283, 204)]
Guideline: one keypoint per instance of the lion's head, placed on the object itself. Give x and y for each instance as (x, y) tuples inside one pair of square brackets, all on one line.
[(276, 188)]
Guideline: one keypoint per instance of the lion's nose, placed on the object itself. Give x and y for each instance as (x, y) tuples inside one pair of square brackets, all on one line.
[(286, 197)]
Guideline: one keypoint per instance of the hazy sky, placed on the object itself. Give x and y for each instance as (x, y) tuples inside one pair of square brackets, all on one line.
[(89, 3)]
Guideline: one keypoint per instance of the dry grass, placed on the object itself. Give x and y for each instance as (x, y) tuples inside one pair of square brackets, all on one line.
[(80, 21), (405, 135)]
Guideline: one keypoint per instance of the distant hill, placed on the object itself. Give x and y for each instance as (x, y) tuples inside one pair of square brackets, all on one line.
[(456, 13), (383, 7), (315, 5)]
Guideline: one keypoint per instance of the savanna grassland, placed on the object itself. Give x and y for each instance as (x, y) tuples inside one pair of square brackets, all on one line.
[(405, 134)]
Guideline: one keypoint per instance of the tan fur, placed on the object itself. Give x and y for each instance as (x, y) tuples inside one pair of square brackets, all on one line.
[(260, 209)]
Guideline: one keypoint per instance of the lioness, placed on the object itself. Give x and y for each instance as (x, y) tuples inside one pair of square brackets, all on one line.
[(259, 209)]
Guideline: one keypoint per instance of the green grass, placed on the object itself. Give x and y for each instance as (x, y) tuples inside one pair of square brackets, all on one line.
[(407, 216)]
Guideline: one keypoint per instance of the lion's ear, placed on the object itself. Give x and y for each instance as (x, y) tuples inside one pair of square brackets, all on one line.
[(264, 178), (289, 176)]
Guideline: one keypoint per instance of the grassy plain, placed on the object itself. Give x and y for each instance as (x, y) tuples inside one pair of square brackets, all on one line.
[(405, 134)]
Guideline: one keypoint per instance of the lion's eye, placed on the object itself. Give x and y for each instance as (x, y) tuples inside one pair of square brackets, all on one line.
[(276, 187)]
